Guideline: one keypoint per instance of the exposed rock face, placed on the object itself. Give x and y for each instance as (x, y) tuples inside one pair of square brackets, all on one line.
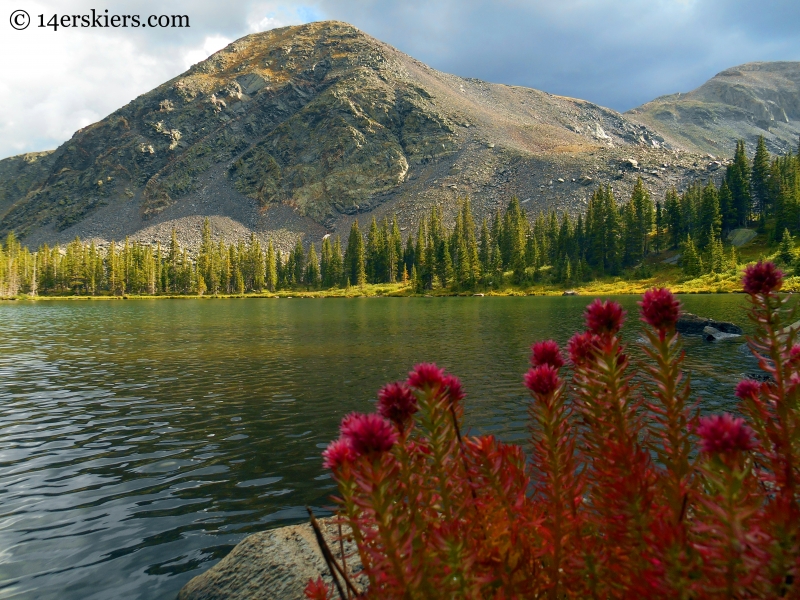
[(739, 103), (273, 565), (299, 130)]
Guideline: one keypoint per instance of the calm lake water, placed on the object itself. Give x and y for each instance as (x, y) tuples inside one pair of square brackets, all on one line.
[(141, 440)]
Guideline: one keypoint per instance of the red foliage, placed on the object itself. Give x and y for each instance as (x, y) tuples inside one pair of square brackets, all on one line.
[(317, 590), (613, 500)]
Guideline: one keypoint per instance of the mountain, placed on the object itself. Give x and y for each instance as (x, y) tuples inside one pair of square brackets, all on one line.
[(300, 130), (760, 98)]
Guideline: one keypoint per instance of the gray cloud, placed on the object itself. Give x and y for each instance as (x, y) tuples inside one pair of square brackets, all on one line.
[(618, 53)]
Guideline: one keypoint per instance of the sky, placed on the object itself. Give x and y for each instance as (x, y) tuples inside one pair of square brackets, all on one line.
[(616, 53)]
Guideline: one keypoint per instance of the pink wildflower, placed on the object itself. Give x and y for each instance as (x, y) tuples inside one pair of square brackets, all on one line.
[(747, 388), (426, 375), (454, 390), (316, 590), (397, 403), (659, 308), (368, 433), (542, 380), (546, 353), (762, 278), (581, 347), (338, 453), (604, 317), (725, 434)]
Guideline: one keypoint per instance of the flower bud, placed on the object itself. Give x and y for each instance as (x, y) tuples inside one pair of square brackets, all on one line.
[(542, 380), (368, 433), (762, 278), (724, 434), (397, 403), (546, 353), (660, 309), (604, 317)]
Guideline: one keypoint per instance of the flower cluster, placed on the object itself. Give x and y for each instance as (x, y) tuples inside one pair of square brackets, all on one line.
[(614, 500)]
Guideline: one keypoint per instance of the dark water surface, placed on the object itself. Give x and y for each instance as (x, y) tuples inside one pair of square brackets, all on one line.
[(141, 440)]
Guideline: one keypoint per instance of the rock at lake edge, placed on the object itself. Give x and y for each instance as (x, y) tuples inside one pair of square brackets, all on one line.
[(689, 324), (273, 565)]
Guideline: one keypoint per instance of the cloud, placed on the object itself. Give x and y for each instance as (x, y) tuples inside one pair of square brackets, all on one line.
[(618, 53)]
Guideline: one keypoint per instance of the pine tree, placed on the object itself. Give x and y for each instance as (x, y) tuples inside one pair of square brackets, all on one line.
[(354, 259), (759, 179), (717, 254), (299, 262), (691, 262), (786, 251), (271, 272), (312, 268), (737, 176), (709, 218)]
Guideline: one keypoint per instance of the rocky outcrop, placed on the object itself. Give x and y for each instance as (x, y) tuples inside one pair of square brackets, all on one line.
[(690, 324), (273, 565)]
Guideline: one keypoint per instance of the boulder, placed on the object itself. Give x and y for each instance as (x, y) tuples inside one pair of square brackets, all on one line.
[(689, 324), (570, 293), (712, 334), (273, 565)]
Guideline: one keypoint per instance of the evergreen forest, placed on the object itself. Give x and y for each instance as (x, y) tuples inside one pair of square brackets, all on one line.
[(617, 237)]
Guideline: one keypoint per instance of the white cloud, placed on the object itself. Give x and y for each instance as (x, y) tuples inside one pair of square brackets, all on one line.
[(210, 45)]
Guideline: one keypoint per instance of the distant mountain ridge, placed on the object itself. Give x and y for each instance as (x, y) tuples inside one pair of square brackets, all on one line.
[(297, 131), (744, 102)]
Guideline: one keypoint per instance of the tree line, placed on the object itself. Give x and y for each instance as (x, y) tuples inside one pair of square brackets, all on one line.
[(609, 238)]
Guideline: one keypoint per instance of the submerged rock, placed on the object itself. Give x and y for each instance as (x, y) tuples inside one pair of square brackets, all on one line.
[(272, 565), (689, 324)]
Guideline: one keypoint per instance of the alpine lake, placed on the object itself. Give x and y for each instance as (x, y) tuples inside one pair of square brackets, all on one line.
[(141, 440)]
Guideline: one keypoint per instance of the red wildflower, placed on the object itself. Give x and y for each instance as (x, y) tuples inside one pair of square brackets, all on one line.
[(426, 375), (762, 278), (581, 346), (368, 433), (747, 388), (397, 403), (725, 434), (604, 317), (659, 308), (316, 590), (454, 390), (546, 353), (542, 380), (338, 453)]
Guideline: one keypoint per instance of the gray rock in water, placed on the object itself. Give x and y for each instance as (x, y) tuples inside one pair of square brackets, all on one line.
[(689, 324), (712, 334), (272, 565)]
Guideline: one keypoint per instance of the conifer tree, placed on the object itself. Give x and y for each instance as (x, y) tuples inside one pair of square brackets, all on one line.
[(737, 176), (271, 272), (709, 218), (299, 264), (690, 261), (312, 268), (759, 179), (354, 259), (786, 251)]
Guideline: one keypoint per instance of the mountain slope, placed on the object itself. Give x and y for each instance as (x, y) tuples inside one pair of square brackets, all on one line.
[(743, 102), (299, 130)]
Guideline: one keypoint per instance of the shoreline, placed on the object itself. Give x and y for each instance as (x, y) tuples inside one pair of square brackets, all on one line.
[(633, 290)]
